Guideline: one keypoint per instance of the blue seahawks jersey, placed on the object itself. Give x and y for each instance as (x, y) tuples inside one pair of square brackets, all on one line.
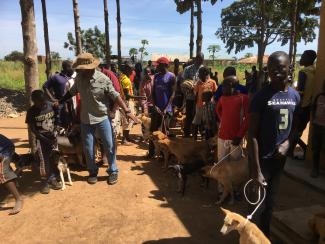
[(276, 110)]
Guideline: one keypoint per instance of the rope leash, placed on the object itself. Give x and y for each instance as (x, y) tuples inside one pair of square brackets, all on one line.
[(259, 200), (215, 164)]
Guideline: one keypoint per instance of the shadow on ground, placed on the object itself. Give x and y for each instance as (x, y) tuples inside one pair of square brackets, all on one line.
[(16, 98)]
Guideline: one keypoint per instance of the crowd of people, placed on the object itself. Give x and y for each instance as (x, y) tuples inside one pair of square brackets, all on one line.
[(104, 102)]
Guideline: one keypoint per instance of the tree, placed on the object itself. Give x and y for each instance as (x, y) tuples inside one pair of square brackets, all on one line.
[(108, 46), (14, 56), (30, 54), (143, 50), (248, 55), (246, 23), (77, 27), (183, 6), (119, 35), (46, 41), (133, 52), (55, 56), (93, 41), (213, 49)]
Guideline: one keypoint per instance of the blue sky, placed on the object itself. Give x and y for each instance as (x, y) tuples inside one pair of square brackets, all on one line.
[(155, 20)]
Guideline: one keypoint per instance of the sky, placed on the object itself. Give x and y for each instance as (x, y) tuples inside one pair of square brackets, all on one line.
[(154, 20)]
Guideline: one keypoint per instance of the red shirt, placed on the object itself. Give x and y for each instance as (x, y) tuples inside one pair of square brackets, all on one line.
[(233, 114), (132, 76), (110, 74)]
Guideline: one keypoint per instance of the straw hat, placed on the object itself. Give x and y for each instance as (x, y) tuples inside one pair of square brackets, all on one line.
[(85, 61)]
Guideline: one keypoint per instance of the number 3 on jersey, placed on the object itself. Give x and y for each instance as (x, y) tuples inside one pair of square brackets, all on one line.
[(283, 125)]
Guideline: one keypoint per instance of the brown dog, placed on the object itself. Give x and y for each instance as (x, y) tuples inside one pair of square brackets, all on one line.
[(248, 231), (317, 225), (230, 174), (146, 123)]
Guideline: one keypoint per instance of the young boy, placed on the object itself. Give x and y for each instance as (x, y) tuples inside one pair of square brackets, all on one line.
[(318, 135), (271, 114), (232, 110), (7, 175), (41, 121), (204, 83), (209, 116)]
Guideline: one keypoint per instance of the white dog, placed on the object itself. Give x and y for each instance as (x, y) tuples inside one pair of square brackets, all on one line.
[(62, 166)]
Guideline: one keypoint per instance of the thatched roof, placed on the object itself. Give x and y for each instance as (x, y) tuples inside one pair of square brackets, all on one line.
[(253, 60)]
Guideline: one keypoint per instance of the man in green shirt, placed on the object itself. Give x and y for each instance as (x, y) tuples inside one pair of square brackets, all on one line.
[(95, 89)]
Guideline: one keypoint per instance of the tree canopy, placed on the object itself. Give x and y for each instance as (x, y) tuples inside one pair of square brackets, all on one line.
[(213, 49), (142, 50), (14, 56)]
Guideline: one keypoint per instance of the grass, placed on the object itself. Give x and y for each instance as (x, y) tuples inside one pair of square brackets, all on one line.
[(12, 74)]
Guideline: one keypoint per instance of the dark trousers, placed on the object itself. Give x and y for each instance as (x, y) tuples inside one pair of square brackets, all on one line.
[(271, 169), (190, 113), (156, 120), (46, 166), (301, 118)]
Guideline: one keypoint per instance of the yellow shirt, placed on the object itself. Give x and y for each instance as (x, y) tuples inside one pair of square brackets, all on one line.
[(126, 83), (309, 85)]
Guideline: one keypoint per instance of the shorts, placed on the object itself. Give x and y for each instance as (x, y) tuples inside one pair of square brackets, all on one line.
[(318, 138), (198, 116), (6, 172)]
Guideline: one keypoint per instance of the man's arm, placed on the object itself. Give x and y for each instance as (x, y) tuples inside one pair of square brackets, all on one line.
[(69, 94), (46, 87), (302, 78), (253, 148), (173, 94)]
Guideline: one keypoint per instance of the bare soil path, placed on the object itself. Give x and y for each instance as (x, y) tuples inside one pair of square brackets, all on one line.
[(142, 208)]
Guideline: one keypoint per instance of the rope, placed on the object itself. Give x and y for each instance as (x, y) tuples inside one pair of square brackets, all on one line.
[(215, 164), (259, 200)]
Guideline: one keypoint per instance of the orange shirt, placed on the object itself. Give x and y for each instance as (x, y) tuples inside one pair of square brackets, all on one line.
[(200, 87)]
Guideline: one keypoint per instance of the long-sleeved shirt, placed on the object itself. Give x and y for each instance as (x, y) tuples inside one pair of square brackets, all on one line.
[(233, 114), (94, 94)]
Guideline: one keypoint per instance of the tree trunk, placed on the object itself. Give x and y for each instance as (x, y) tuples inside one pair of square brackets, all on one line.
[(46, 40), (30, 54), (261, 50), (294, 53), (261, 45), (192, 31), (199, 37), (118, 19), (77, 26), (108, 46), (293, 30)]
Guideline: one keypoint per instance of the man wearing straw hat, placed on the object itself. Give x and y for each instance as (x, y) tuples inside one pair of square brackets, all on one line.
[(95, 89)]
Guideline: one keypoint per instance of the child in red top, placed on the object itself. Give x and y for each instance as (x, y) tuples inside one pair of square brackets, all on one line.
[(232, 110)]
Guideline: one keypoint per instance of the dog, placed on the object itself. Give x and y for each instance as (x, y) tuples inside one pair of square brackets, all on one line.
[(230, 174), (183, 170), (248, 231), (62, 165), (317, 225), (145, 124), (70, 145)]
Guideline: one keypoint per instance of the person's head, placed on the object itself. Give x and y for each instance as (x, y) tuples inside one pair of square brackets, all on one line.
[(38, 98), (126, 69), (162, 64), (278, 69), (147, 72), (85, 65), (113, 68), (254, 68), (216, 73), (199, 59), (229, 71), (138, 67), (67, 67), (308, 58), (228, 85), (149, 63), (204, 74), (176, 62)]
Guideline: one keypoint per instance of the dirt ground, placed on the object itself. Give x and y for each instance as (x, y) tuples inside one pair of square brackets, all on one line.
[(143, 207)]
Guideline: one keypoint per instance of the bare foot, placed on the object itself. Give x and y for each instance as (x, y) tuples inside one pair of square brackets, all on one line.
[(18, 207)]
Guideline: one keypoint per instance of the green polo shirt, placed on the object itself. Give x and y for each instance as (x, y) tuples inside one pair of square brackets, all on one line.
[(94, 94)]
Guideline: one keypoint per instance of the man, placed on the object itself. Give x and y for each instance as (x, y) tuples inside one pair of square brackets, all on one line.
[(178, 100), (151, 67), (55, 88), (191, 74), (306, 84), (230, 71), (95, 88), (163, 93), (271, 114)]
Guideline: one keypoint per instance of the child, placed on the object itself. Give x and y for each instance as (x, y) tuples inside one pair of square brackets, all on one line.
[(318, 135), (41, 121), (209, 117), (205, 83), (7, 175), (232, 110)]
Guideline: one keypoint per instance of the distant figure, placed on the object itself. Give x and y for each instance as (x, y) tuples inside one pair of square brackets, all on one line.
[(215, 77), (151, 67), (137, 78), (306, 84), (176, 66)]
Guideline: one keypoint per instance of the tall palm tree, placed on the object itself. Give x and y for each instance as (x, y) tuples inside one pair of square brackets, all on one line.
[(213, 49), (133, 52), (30, 54), (46, 40), (142, 49), (77, 26), (118, 20), (108, 47)]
